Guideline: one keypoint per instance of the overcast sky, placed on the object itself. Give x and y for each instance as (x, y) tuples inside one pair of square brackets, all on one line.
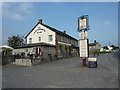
[(19, 18)]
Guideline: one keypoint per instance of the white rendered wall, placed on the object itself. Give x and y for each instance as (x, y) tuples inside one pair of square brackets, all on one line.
[(44, 35)]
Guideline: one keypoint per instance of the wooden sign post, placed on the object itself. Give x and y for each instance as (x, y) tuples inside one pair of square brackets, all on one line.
[(83, 42)]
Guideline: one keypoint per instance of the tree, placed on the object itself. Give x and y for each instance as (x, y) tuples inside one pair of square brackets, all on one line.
[(105, 47), (114, 47), (14, 41)]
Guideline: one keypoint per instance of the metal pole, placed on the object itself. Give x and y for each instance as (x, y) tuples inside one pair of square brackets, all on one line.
[(84, 62)]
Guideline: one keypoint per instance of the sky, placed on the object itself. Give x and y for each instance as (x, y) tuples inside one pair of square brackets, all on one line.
[(18, 18)]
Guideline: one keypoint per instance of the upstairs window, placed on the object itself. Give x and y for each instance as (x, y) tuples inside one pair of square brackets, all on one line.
[(58, 37), (67, 40), (62, 38), (30, 40), (39, 39), (50, 38)]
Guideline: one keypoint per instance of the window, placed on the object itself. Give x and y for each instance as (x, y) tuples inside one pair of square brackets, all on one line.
[(71, 41), (75, 42), (61, 38), (58, 36), (39, 39), (26, 49), (50, 37), (30, 40), (67, 40)]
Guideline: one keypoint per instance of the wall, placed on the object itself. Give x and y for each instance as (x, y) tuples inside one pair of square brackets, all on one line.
[(35, 34), (18, 51), (65, 51), (98, 46), (65, 40), (23, 62), (49, 53), (92, 48)]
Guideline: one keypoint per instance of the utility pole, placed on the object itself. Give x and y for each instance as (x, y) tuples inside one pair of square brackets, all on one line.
[(83, 42)]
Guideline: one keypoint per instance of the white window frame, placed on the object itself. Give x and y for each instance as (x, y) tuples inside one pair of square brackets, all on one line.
[(50, 38), (30, 40), (39, 39)]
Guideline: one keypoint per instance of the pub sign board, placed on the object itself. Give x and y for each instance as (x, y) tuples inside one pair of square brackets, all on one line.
[(83, 48), (83, 23)]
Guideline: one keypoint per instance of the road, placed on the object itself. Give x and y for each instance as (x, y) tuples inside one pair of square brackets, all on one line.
[(65, 73)]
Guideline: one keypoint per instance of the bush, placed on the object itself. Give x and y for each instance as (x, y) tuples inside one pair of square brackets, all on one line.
[(97, 52), (7, 59), (104, 52)]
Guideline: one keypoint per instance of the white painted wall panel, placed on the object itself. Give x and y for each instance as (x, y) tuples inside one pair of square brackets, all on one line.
[(44, 35)]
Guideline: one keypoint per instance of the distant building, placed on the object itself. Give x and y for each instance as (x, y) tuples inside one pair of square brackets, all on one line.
[(5, 49), (5, 54), (45, 41), (107, 49), (110, 48), (94, 46)]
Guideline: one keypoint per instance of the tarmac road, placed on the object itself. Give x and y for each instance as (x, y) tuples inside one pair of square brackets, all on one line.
[(65, 73)]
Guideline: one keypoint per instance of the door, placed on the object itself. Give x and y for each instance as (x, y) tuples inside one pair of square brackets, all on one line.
[(36, 51)]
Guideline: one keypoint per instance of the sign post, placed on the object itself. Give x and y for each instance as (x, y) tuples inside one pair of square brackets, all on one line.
[(83, 42)]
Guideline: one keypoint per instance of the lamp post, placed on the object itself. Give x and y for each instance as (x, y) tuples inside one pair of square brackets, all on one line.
[(83, 43)]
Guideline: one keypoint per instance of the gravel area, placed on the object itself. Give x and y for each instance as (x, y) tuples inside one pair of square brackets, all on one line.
[(64, 73)]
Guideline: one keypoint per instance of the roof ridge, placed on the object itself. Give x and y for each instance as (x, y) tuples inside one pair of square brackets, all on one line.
[(56, 30), (51, 28)]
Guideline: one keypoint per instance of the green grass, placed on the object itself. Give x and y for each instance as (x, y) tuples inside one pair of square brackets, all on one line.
[(104, 52), (98, 52)]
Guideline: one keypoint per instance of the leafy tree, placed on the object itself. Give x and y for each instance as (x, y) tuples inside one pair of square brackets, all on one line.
[(115, 47), (14, 41), (105, 47)]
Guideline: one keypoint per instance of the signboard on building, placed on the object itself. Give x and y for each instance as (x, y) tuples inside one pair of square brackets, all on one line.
[(83, 48), (83, 23)]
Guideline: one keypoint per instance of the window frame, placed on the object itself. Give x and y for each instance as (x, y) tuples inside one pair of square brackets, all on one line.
[(50, 39), (30, 40), (39, 39)]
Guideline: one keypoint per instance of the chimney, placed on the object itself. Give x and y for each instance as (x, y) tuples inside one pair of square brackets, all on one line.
[(94, 41), (64, 31), (40, 21)]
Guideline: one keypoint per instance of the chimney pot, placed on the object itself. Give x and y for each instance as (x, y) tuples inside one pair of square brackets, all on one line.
[(40, 20), (94, 41), (64, 31)]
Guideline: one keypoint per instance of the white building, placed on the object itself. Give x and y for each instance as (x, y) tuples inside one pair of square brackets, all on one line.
[(41, 34), (94, 46), (44, 40), (110, 48)]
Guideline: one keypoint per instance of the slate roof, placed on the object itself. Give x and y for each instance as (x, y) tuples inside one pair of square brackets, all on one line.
[(92, 44), (53, 29), (34, 44)]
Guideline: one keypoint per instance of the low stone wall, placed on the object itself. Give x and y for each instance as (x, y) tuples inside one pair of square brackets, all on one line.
[(48, 55), (23, 62)]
